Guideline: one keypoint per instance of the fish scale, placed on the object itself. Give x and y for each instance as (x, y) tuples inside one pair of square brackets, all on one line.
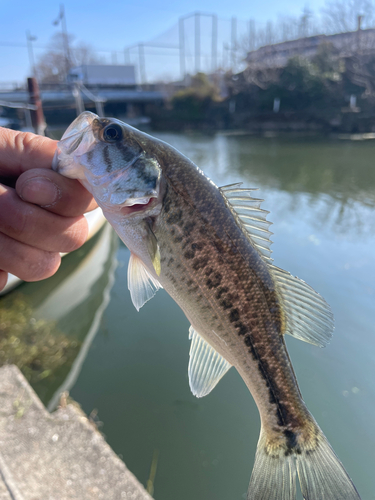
[(258, 345), (209, 249)]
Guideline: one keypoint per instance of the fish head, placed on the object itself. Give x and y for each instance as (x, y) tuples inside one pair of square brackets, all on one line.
[(107, 157)]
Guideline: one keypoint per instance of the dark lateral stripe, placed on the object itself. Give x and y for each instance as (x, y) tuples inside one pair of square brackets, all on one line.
[(283, 415)]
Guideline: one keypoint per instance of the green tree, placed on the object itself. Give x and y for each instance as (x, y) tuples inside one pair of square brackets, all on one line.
[(326, 61), (193, 102)]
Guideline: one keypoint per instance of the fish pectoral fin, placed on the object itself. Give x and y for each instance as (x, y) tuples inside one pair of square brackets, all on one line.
[(206, 366), (308, 316), (142, 285)]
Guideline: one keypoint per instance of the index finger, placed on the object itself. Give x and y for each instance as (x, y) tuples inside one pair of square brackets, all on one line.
[(54, 192), (21, 151)]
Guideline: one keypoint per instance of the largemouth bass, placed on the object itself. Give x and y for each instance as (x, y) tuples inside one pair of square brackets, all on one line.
[(208, 247)]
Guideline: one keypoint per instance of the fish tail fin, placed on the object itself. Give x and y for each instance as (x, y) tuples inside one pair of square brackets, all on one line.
[(274, 473), (321, 474)]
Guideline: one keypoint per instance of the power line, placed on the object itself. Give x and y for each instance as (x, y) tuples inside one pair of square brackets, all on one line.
[(22, 45)]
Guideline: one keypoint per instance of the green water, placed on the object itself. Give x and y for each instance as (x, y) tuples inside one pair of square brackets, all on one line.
[(321, 195)]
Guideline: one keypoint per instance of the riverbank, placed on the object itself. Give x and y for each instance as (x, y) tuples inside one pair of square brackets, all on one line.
[(220, 118), (59, 456)]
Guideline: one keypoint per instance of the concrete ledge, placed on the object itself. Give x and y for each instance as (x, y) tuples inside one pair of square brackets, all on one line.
[(58, 456)]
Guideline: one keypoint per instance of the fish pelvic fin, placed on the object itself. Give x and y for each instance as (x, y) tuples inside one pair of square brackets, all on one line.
[(320, 473), (206, 366), (142, 285)]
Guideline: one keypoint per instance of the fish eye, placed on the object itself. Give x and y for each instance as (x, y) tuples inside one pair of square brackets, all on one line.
[(112, 133)]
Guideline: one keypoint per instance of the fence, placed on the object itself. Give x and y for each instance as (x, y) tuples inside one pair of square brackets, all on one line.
[(196, 42)]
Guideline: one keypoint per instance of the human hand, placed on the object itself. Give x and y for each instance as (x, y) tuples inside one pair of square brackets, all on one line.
[(40, 210)]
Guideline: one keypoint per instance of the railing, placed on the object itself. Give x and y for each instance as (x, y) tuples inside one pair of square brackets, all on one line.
[(26, 108), (6, 86)]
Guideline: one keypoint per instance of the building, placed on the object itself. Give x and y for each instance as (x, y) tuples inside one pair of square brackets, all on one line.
[(103, 75), (345, 45)]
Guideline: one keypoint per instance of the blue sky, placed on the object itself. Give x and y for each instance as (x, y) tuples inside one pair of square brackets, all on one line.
[(112, 25)]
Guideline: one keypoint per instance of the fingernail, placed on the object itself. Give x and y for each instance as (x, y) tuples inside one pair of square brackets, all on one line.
[(40, 191)]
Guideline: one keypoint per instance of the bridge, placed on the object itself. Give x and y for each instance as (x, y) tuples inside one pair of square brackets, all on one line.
[(62, 103)]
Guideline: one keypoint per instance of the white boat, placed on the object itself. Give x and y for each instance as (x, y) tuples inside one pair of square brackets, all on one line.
[(95, 220)]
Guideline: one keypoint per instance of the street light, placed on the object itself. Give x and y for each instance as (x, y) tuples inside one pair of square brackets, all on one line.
[(62, 19)]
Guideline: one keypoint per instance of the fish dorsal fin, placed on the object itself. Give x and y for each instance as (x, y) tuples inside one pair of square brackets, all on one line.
[(141, 283), (308, 316), (250, 217), (206, 366)]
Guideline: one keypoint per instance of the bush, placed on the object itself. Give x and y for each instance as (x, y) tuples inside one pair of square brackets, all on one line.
[(194, 102)]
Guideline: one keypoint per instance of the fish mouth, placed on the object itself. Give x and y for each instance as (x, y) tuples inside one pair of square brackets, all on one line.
[(136, 205), (77, 139), (79, 125)]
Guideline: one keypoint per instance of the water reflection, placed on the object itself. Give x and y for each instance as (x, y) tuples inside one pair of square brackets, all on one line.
[(334, 177), (47, 327)]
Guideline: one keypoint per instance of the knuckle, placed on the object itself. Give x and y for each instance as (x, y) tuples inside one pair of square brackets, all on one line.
[(76, 235), (20, 222), (26, 262), (37, 149), (23, 141), (42, 266), (15, 216)]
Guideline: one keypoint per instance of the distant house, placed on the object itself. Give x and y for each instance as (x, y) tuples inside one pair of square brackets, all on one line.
[(104, 75), (345, 44)]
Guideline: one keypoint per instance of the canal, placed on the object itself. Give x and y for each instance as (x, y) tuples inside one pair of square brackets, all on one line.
[(129, 370)]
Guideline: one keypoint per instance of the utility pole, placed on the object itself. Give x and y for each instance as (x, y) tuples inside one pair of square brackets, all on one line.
[(65, 32), (214, 44), (127, 56), (359, 22), (225, 53), (197, 42), (30, 39), (37, 115), (181, 33), (142, 63), (359, 28), (251, 34), (234, 44)]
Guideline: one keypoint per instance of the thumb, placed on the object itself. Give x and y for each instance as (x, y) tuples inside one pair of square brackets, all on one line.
[(21, 151)]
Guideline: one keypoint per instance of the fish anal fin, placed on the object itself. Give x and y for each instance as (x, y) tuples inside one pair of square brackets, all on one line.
[(142, 285), (206, 366)]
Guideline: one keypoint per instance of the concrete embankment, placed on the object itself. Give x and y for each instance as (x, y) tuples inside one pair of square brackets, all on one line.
[(58, 456)]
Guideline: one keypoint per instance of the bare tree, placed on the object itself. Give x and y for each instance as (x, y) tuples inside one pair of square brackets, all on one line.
[(285, 28), (55, 63), (340, 16)]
